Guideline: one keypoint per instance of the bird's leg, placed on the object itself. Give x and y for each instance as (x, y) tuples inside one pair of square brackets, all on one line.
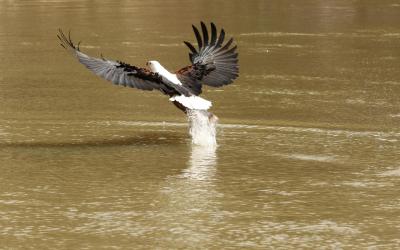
[(180, 106)]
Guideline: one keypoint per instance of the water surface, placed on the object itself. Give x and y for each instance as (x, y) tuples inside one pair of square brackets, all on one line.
[(308, 136)]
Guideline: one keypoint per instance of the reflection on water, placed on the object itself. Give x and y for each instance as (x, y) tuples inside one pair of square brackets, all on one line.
[(190, 197), (202, 163), (280, 192)]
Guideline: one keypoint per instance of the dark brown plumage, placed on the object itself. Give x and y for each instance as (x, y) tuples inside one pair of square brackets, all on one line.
[(121, 73), (213, 64)]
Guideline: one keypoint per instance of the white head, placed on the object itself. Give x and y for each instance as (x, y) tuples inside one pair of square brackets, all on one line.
[(154, 66)]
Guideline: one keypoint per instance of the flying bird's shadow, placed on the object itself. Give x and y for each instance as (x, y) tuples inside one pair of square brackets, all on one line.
[(141, 139)]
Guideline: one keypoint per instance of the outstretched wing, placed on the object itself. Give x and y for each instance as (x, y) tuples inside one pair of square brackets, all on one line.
[(214, 63), (119, 73)]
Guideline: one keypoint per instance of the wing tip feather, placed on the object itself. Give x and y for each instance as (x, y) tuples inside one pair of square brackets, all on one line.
[(213, 49)]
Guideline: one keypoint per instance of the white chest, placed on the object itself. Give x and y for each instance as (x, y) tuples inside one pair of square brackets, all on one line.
[(171, 77), (157, 67)]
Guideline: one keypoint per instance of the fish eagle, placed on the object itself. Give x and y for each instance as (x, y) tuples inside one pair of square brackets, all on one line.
[(214, 63)]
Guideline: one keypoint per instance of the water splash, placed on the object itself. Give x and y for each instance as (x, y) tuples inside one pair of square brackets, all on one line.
[(202, 127)]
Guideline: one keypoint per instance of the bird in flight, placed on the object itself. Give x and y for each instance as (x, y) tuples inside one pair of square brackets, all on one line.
[(214, 63)]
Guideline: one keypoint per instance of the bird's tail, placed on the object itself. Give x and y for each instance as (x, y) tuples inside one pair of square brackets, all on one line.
[(192, 102)]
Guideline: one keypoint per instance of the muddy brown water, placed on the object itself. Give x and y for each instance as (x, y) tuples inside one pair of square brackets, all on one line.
[(309, 136)]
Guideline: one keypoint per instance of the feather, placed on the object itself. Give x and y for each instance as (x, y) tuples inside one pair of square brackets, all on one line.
[(213, 34), (119, 73), (220, 39), (214, 64), (190, 46), (205, 34), (198, 37)]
